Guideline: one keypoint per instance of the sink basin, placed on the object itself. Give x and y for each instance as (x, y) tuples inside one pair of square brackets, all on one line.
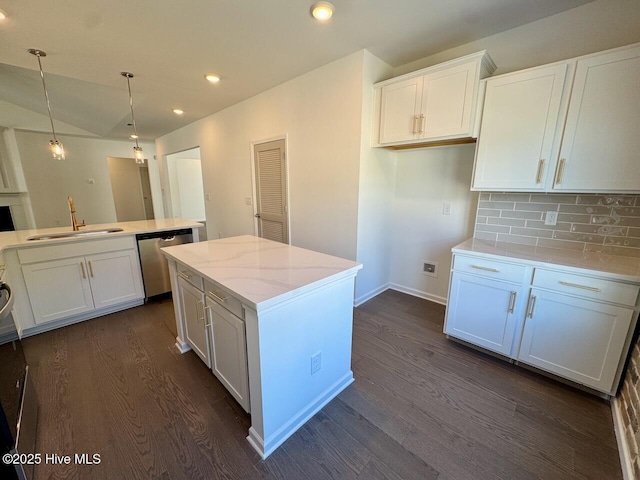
[(80, 233)]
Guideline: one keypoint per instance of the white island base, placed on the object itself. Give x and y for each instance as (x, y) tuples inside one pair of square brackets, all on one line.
[(298, 321)]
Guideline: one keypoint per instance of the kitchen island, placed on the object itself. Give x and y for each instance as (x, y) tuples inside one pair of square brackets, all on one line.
[(273, 322)]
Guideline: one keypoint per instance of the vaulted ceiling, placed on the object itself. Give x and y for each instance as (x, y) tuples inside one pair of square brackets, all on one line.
[(252, 45)]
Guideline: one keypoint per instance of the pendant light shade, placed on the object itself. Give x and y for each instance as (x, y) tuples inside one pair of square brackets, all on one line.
[(57, 150), (138, 154)]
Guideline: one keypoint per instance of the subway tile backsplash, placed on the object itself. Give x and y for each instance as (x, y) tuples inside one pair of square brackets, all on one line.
[(586, 222)]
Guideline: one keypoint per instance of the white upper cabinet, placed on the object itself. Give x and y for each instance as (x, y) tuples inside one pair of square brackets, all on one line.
[(570, 127), (431, 105), (601, 141), (516, 138)]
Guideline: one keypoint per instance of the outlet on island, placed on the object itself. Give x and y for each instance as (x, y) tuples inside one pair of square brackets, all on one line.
[(316, 362)]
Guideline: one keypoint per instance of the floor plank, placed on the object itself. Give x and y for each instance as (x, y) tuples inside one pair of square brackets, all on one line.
[(422, 407)]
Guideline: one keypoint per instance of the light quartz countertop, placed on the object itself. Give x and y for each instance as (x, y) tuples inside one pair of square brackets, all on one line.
[(261, 272), (623, 268), (18, 238)]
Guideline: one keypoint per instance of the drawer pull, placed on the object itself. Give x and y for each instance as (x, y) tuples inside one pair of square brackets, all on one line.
[(583, 287), (487, 269), (217, 297), (512, 301), (184, 275), (540, 170), (532, 306)]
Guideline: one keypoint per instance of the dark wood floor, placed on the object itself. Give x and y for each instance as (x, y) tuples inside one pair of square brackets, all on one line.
[(422, 407)]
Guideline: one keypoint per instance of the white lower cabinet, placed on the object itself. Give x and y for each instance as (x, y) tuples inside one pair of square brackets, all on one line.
[(229, 351), (71, 286), (571, 323), (192, 304), (576, 338), (484, 311)]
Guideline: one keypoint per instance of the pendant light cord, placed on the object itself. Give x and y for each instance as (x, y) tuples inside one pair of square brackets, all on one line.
[(133, 118), (46, 95)]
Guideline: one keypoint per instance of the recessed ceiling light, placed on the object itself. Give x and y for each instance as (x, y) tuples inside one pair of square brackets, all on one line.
[(3, 15), (133, 136), (212, 78), (177, 111), (322, 10)]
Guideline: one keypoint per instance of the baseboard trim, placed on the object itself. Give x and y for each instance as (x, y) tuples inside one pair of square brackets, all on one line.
[(623, 446), (418, 293), (369, 295)]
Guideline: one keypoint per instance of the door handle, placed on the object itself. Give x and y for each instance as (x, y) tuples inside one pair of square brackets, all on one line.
[(257, 215)]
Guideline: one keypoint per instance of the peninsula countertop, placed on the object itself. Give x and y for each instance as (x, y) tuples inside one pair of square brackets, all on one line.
[(261, 272), (19, 238)]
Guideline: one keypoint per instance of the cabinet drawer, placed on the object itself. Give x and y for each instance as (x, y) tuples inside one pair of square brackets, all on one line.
[(221, 297), (490, 268), (190, 276), (588, 287)]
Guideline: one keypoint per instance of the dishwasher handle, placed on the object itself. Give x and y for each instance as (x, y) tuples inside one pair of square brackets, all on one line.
[(168, 239)]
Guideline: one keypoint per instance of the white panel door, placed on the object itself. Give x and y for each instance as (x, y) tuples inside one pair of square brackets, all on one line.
[(575, 338), (519, 119), (483, 311), (271, 191), (229, 351), (601, 142), (192, 304), (115, 277), (58, 289), (447, 101), (400, 110)]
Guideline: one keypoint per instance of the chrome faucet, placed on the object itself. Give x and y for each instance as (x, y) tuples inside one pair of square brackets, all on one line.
[(74, 223)]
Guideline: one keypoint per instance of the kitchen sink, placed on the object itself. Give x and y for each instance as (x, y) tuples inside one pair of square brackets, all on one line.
[(80, 233)]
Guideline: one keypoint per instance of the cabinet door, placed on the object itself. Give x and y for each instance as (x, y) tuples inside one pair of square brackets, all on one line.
[(400, 110), (519, 120), (483, 311), (115, 277), (229, 352), (575, 338), (58, 289), (447, 102), (601, 142), (192, 302)]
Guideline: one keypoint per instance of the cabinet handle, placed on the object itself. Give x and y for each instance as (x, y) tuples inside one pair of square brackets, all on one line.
[(532, 306), (84, 275), (560, 173), (90, 269), (204, 312), (422, 122), (184, 275), (487, 269), (217, 297), (583, 287), (512, 301), (415, 120), (540, 170), (199, 308)]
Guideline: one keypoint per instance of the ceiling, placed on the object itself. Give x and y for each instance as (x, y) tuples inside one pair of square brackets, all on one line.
[(252, 45)]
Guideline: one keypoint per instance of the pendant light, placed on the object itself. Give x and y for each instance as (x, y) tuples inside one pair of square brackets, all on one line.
[(138, 154), (57, 150)]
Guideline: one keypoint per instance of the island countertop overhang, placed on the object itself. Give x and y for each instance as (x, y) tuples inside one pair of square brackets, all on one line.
[(262, 273)]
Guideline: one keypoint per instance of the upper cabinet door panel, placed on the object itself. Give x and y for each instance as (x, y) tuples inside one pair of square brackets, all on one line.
[(400, 109), (601, 141), (515, 146), (447, 101)]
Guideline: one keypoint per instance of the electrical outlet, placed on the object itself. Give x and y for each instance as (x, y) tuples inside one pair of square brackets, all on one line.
[(316, 362), (446, 208), (551, 218), (430, 268)]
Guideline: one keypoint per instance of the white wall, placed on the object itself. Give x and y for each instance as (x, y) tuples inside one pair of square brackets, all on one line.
[(320, 113), (376, 190), (49, 182), (590, 28), (425, 179)]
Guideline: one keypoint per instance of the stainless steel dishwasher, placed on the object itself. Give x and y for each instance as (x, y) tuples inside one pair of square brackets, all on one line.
[(155, 270)]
